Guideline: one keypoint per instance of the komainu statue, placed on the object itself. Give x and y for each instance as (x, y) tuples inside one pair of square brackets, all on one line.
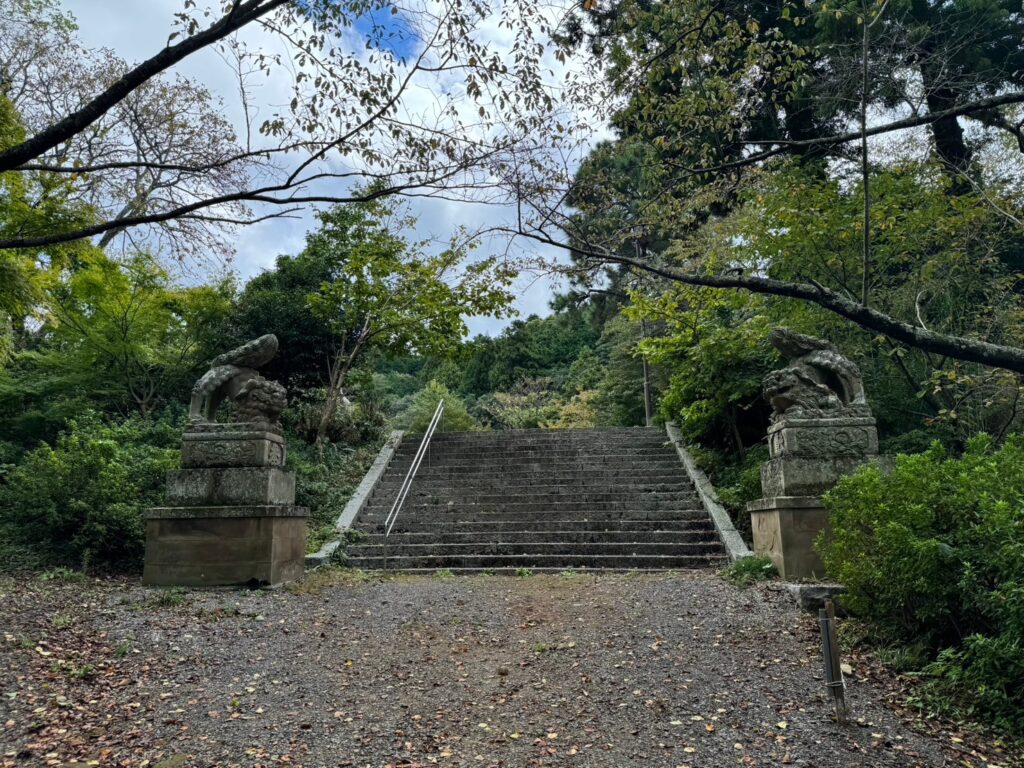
[(818, 382), (233, 376)]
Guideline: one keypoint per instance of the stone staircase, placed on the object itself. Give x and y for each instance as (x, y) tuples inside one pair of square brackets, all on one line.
[(539, 499)]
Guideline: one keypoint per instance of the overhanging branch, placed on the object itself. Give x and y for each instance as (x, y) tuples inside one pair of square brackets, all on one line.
[(50, 137), (956, 347), (781, 146)]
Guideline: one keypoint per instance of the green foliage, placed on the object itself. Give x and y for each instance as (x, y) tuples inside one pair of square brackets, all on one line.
[(120, 338), (737, 480), (403, 297), (175, 597), (324, 483), (619, 400), (586, 371), (416, 416), (79, 503), (933, 555), (277, 301), (750, 570), (529, 405), (533, 348), (578, 413), (62, 574), (715, 344), (360, 423), (30, 204)]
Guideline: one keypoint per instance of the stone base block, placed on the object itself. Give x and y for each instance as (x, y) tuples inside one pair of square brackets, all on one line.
[(823, 438), (785, 529), (230, 486), (799, 476), (218, 546), (232, 449)]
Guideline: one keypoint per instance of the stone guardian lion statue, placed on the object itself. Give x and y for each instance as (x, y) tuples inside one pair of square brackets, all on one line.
[(818, 382), (233, 376)]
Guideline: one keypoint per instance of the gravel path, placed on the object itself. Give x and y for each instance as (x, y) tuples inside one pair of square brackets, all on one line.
[(609, 671)]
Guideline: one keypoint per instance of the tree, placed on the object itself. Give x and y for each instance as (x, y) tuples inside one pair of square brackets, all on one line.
[(392, 295), (173, 122), (118, 337), (353, 119), (277, 301), (710, 93), (30, 201)]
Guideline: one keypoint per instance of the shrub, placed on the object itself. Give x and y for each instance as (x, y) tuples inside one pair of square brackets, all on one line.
[(416, 417), (358, 423), (750, 570), (932, 555), (578, 413), (324, 484), (79, 502), (737, 480), (531, 404)]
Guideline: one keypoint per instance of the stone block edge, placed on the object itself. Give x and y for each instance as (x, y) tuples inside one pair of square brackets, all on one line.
[(220, 512), (359, 498), (736, 548)]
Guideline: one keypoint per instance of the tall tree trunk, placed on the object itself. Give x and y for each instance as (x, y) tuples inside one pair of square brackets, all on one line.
[(947, 134), (339, 371)]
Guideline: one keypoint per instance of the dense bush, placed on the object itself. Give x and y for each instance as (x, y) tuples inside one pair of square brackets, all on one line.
[(358, 423), (933, 557), (79, 502), (737, 480), (324, 482), (416, 416), (530, 404)]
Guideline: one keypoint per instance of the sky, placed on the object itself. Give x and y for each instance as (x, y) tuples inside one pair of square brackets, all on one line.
[(136, 29)]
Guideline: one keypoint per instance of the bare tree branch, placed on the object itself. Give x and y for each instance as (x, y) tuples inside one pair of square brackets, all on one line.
[(784, 146), (51, 137)]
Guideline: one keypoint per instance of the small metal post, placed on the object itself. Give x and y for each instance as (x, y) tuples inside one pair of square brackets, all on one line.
[(830, 657)]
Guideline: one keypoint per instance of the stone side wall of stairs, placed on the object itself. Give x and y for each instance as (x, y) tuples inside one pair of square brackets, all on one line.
[(539, 499)]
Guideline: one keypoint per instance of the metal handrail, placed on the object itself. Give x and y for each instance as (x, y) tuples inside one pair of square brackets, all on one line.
[(403, 491)]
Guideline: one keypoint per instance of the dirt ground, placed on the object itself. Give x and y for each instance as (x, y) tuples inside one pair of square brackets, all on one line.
[(349, 669)]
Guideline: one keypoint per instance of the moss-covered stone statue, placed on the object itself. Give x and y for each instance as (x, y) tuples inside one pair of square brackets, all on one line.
[(231, 516), (821, 428), (233, 376)]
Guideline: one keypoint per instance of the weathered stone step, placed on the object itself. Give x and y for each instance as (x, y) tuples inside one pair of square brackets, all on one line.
[(671, 473), (615, 499), (475, 501), (517, 571), (537, 534), (556, 435), (580, 473), (609, 517), (499, 460), (496, 527), (398, 548), (625, 447), (561, 562), (520, 510), (452, 488)]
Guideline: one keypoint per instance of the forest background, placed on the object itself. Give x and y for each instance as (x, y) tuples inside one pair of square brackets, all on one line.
[(731, 198)]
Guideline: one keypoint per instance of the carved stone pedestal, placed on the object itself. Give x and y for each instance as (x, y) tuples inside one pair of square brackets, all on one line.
[(821, 429), (808, 456), (231, 516), (785, 529)]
